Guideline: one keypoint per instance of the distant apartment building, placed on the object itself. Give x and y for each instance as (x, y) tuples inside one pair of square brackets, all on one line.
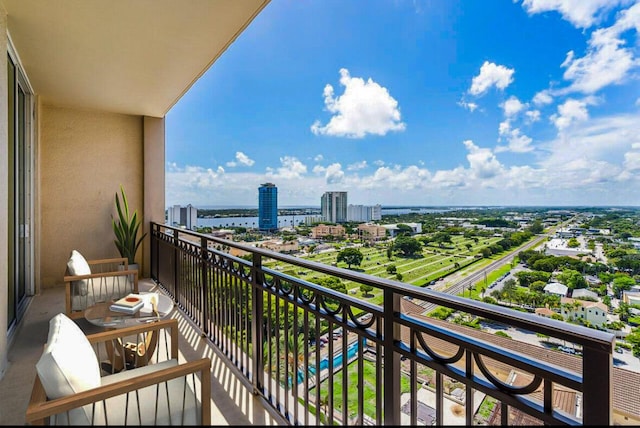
[(312, 219), (183, 216), (574, 309), (323, 230), (371, 232), (364, 213), (333, 207), (268, 207)]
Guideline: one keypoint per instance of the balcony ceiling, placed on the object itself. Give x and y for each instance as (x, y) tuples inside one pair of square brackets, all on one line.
[(134, 57)]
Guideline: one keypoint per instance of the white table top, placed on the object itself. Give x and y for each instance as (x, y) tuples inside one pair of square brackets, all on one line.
[(100, 314)]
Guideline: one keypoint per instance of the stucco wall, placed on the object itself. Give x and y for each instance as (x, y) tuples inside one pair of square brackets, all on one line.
[(84, 156)]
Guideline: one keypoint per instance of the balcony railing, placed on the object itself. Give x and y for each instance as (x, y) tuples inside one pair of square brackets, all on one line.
[(321, 356)]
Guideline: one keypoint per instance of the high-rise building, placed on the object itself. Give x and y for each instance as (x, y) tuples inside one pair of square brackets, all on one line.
[(333, 206), (363, 213), (183, 216), (268, 207)]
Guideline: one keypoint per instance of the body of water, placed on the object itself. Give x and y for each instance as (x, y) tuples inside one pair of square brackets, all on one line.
[(249, 222), (295, 220)]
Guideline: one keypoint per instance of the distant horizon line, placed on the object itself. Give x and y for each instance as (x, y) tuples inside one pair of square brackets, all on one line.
[(550, 206)]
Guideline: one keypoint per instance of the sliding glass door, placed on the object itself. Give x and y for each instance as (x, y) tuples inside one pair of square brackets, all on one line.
[(19, 181)]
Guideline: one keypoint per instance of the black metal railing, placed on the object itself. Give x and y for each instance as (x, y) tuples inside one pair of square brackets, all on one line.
[(322, 356)]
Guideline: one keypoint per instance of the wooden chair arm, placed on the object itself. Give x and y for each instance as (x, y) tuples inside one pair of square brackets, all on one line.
[(169, 324), (39, 409), (122, 260), (69, 279)]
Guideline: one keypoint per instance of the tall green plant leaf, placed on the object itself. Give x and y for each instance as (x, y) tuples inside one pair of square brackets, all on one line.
[(126, 228)]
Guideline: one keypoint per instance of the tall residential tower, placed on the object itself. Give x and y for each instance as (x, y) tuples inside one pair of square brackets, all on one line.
[(268, 207), (333, 206)]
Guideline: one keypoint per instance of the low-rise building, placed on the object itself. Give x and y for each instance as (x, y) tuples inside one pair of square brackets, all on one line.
[(544, 312), (279, 245), (371, 232), (556, 288), (322, 231), (582, 293), (593, 312), (631, 297), (393, 228)]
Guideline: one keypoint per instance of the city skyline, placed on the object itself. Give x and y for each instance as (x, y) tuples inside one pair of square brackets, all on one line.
[(513, 103)]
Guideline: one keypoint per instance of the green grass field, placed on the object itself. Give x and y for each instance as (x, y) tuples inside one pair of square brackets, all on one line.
[(433, 263)]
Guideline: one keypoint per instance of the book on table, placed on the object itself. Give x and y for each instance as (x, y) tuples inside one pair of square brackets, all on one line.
[(130, 304)]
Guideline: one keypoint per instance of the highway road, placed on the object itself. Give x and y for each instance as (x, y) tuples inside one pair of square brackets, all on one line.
[(465, 283)]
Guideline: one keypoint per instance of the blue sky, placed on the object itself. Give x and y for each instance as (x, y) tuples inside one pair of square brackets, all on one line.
[(532, 102)]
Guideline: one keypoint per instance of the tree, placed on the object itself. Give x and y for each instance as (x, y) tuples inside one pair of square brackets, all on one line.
[(442, 238), (407, 245), (351, 256), (392, 269), (333, 283), (572, 279), (404, 230), (624, 311), (622, 282), (573, 243), (536, 227), (366, 289)]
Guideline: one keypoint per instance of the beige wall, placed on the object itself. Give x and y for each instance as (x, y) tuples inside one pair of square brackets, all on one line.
[(84, 156), (154, 183)]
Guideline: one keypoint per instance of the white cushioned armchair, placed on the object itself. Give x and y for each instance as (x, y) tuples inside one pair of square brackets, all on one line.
[(88, 282), (72, 386)]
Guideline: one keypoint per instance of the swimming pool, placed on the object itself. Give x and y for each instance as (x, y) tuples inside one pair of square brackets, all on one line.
[(352, 350)]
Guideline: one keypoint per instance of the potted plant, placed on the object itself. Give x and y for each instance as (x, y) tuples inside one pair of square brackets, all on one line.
[(126, 228)]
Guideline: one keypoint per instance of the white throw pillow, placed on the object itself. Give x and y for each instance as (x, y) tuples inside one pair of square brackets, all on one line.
[(77, 265), (68, 365)]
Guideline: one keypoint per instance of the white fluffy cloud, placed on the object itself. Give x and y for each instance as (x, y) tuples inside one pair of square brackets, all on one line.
[(533, 115), (512, 106), (518, 142), (569, 112), (482, 162), (291, 168), (581, 13), (542, 98), (357, 165), (491, 75), (597, 157), (241, 159), (606, 61), (334, 174), (364, 108), (468, 105)]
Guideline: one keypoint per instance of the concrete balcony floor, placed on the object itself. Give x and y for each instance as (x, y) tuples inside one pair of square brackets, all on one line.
[(232, 402)]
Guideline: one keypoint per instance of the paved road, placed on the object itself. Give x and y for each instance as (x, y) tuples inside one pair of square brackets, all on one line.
[(457, 286)]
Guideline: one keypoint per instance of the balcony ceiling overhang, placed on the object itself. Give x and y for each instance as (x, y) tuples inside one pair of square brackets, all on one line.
[(134, 57)]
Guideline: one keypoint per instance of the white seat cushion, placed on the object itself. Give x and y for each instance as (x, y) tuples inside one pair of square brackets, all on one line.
[(77, 265), (170, 403), (68, 365)]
